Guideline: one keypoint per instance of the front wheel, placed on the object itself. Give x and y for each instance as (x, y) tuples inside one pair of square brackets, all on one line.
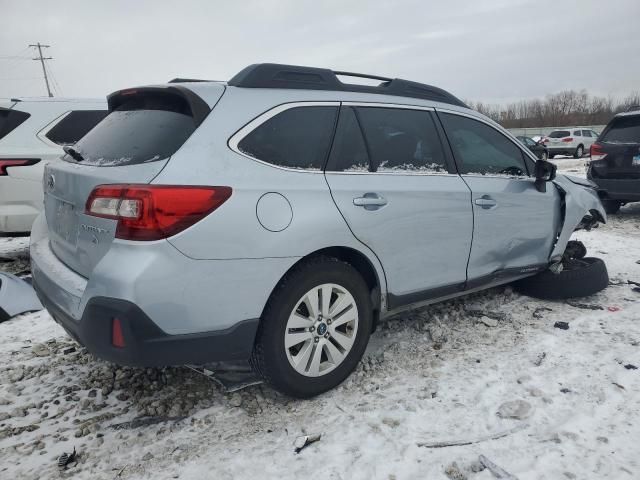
[(314, 329)]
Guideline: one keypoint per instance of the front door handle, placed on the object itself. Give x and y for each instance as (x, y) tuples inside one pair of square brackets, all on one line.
[(485, 202), (370, 201)]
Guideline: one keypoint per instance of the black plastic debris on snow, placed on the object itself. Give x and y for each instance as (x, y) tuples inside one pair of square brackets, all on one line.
[(231, 376), (304, 441), (144, 422), (584, 306), (561, 325), (629, 366), (538, 312), (67, 458)]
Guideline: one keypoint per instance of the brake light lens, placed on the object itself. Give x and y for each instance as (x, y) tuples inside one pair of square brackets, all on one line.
[(117, 337), (17, 162), (154, 212), (596, 152), (567, 139)]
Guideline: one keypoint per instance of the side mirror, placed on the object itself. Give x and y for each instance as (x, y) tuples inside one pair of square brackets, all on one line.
[(544, 172)]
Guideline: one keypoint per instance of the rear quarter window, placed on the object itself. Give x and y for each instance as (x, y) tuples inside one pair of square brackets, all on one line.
[(10, 120), (143, 129), (298, 138), (74, 126)]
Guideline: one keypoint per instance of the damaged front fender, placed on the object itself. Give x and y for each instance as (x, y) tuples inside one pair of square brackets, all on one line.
[(581, 209)]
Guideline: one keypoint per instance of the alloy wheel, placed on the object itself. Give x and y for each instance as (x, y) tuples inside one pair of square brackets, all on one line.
[(321, 330)]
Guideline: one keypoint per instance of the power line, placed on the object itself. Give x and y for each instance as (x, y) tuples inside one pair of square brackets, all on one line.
[(40, 46)]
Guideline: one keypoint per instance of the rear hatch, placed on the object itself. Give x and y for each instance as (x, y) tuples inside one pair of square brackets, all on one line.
[(559, 138), (620, 145), (144, 128)]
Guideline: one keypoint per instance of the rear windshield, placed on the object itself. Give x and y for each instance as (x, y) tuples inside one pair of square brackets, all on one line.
[(559, 134), (145, 128), (623, 130), (10, 119)]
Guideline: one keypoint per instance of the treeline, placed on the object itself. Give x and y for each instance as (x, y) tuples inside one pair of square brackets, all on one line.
[(566, 108)]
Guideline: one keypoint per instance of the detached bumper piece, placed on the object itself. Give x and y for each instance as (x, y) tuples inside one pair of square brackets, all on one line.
[(118, 331), (16, 297)]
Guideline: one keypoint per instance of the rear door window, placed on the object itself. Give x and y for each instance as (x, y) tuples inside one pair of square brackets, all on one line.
[(298, 138), (577, 133), (481, 149), (10, 119), (144, 128), (349, 152), (559, 134), (74, 126), (623, 130), (586, 133), (401, 140)]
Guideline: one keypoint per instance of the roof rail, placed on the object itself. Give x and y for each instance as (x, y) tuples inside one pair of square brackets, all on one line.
[(273, 75), (632, 108)]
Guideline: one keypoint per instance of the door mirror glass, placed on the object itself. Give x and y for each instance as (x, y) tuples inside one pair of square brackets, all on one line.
[(544, 172)]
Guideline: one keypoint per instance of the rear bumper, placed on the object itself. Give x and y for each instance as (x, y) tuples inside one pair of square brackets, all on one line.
[(618, 188), (561, 150), (146, 345)]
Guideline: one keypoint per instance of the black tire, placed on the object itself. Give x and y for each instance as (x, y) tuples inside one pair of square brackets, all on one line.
[(552, 155), (544, 156), (269, 358), (611, 206), (579, 152), (579, 278)]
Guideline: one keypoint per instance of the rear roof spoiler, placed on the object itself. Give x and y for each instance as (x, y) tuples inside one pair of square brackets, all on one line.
[(199, 108)]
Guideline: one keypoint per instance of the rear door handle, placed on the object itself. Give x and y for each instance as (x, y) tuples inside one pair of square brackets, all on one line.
[(485, 202), (370, 201)]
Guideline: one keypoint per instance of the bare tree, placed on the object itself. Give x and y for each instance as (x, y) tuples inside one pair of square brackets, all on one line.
[(568, 107)]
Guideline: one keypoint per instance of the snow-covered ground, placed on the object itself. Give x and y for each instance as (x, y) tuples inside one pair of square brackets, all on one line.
[(435, 375)]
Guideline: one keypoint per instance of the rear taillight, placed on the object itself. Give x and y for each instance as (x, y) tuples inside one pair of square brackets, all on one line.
[(17, 162), (567, 139), (596, 152), (153, 212), (545, 140), (117, 337)]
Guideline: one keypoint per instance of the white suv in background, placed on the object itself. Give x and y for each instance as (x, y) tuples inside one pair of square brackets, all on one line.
[(570, 141), (33, 133)]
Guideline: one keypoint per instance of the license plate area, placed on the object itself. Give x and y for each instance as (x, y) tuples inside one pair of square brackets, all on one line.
[(65, 224)]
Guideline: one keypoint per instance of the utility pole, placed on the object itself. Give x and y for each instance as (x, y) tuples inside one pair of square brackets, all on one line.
[(40, 46)]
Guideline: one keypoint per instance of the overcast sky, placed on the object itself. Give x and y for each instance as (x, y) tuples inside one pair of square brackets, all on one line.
[(489, 50)]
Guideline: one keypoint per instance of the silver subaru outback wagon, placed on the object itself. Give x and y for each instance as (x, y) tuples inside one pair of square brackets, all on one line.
[(278, 216)]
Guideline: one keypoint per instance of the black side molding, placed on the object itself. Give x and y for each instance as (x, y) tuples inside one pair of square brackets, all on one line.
[(273, 75)]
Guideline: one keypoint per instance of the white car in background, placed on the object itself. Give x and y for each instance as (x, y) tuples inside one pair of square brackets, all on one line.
[(33, 133), (573, 141)]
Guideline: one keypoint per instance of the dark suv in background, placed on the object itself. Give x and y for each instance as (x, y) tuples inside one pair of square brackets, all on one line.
[(615, 161)]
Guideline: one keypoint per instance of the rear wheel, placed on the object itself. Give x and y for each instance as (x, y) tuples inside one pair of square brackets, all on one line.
[(611, 206), (552, 155), (314, 329), (579, 152), (544, 156)]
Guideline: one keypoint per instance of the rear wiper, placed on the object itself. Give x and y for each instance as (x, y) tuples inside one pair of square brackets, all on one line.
[(73, 153)]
